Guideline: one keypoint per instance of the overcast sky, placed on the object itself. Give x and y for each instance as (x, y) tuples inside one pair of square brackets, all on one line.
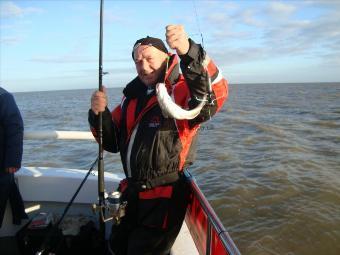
[(53, 45)]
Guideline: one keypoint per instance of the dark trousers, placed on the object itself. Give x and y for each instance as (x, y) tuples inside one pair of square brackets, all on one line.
[(150, 227), (9, 191)]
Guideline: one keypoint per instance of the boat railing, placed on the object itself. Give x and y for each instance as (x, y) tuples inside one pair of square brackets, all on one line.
[(213, 223), (60, 135)]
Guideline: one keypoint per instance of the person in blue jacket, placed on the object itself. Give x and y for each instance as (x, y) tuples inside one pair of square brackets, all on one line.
[(11, 148)]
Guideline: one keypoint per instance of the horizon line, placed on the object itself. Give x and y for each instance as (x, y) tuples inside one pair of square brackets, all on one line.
[(230, 84)]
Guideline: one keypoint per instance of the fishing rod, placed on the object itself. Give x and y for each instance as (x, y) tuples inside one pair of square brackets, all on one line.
[(101, 188), (111, 202)]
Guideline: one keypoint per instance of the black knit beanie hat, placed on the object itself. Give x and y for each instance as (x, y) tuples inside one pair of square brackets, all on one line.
[(151, 41)]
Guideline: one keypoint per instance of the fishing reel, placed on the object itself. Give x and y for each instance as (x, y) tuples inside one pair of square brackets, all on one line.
[(113, 206)]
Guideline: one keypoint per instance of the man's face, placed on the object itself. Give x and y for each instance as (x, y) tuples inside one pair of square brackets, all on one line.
[(150, 64)]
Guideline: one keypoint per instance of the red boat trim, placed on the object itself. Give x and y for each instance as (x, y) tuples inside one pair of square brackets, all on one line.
[(213, 220)]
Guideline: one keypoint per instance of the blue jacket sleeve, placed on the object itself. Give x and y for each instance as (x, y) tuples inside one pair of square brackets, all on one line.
[(12, 132)]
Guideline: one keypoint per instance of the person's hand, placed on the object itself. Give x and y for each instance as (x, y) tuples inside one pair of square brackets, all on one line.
[(99, 101), (11, 170), (177, 39)]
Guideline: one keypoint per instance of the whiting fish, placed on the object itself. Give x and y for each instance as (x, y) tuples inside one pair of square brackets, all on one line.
[(170, 109)]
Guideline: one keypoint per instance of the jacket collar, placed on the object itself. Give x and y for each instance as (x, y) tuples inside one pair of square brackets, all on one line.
[(136, 87)]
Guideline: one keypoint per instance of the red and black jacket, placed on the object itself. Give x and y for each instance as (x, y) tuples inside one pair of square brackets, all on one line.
[(150, 145)]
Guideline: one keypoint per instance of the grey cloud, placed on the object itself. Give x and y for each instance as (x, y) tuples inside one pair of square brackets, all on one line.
[(237, 55), (248, 17), (74, 59), (333, 45), (331, 60), (112, 17), (254, 17), (10, 40), (62, 59), (228, 6), (325, 3), (222, 35), (117, 15), (279, 32), (12, 10), (216, 18), (225, 25), (6, 27), (305, 35), (280, 9)]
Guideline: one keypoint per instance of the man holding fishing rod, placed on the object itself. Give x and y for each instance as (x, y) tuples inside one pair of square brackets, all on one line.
[(154, 129)]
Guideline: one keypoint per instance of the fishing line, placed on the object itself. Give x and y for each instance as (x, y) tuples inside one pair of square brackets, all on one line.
[(198, 23), (208, 97)]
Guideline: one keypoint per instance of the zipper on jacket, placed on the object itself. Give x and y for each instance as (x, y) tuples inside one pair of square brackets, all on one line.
[(128, 154)]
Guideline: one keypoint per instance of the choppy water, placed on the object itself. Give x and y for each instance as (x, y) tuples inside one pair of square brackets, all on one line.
[(269, 162)]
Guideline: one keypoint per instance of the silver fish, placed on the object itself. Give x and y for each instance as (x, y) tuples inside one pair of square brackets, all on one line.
[(170, 109)]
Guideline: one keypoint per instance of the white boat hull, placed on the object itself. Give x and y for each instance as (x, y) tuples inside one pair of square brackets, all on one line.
[(46, 189)]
